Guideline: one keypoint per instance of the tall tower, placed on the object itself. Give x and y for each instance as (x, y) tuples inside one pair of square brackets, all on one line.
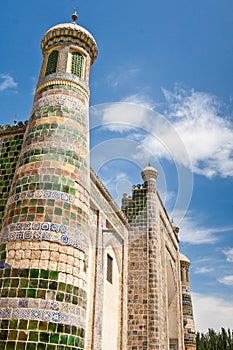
[(154, 287), (189, 326), (44, 282)]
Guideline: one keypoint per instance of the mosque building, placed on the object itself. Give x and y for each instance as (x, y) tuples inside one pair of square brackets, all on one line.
[(76, 271)]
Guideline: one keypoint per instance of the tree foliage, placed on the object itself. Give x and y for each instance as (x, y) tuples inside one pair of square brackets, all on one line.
[(215, 341)]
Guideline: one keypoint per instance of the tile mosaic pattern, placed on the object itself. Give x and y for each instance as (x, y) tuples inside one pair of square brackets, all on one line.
[(45, 222), (34, 300), (40, 335), (134, 207), (10, 149)]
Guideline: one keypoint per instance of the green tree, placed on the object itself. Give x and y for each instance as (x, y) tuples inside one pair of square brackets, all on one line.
[(215, 341)]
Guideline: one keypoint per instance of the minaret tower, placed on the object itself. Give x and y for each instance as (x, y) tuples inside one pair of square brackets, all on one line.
[(189, 326), (43, 299)]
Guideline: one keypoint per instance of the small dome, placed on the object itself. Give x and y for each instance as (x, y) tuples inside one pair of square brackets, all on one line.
[(184, 258), (69, 32), (149, 173)]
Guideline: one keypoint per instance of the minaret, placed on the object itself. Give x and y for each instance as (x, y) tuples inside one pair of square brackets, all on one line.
[(189, 326), (43, 299), (143, 250)]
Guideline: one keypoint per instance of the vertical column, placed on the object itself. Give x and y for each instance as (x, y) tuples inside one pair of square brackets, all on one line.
[(149, 176), (45, 228), (189, 326)]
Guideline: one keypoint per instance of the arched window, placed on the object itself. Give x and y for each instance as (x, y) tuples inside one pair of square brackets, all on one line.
[(77, 64), (52, 63)]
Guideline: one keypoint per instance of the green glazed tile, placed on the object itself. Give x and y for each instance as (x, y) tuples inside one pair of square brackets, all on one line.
[(41, 293), (23, 324), (33, 283), (31, 346), (60, 296), (53, 285), (33, 336), (52, 327), (13, 324), (62, 286), (4, 324), (53, 275), (63, 339), (10, 346), (54, 338), (33, 325), (31, 293), (12, 335), (22, 293), (23, 283), (43, 325), (20, 346), (43, 284), (12, 293), (44, 337), (71, 340), (34, 273), (15, 282)]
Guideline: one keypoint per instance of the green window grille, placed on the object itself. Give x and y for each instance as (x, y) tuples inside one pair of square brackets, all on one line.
[(77, 64), (52, 63)]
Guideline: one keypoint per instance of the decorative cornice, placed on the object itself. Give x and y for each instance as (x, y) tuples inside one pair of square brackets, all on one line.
[(13, 129), (63, 79), (70, 32), (107, 196)]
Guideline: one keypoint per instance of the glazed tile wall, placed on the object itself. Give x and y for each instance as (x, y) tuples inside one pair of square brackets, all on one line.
[(10, 146)]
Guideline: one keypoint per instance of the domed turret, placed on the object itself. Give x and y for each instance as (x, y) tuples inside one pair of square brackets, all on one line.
[(184, 258), (69, 51), (149, 173), (70, 33)]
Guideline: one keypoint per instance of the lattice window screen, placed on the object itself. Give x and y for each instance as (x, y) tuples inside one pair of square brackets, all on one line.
[(52, 62), (77, 64)]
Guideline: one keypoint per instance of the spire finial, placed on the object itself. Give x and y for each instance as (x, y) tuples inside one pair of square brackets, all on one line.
[(149, 163), (75, 16)]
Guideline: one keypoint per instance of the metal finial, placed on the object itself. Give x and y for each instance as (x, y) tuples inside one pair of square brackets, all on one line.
[(75, 16), (149, 163)]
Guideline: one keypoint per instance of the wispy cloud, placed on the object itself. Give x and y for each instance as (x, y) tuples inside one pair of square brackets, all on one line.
[(203, 270), (192, 231), (229, 254), (190, 127), (131, 113), (206, 307), (227, 280), (7, 82), (208, 137), (122, 75)]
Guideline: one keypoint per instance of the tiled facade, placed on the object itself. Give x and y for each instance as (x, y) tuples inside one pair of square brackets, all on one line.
[(59, 225)]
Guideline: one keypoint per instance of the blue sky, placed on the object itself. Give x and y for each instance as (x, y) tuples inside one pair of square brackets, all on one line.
[(161, 91)]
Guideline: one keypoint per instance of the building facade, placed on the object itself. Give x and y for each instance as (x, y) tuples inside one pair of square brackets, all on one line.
[(76, 271)]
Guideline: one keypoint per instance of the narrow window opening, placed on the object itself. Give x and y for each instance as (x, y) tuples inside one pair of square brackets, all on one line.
[(52, 63), (187, 275), (109, 268), (77, 64)]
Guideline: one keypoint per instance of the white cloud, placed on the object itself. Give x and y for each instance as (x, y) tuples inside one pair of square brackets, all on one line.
[(192, 231), (229, 254), (211, 312), (227, 280), (7, 82), (121, 76), (131, 113), (190, 128), (203, 270), (207, 136)]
